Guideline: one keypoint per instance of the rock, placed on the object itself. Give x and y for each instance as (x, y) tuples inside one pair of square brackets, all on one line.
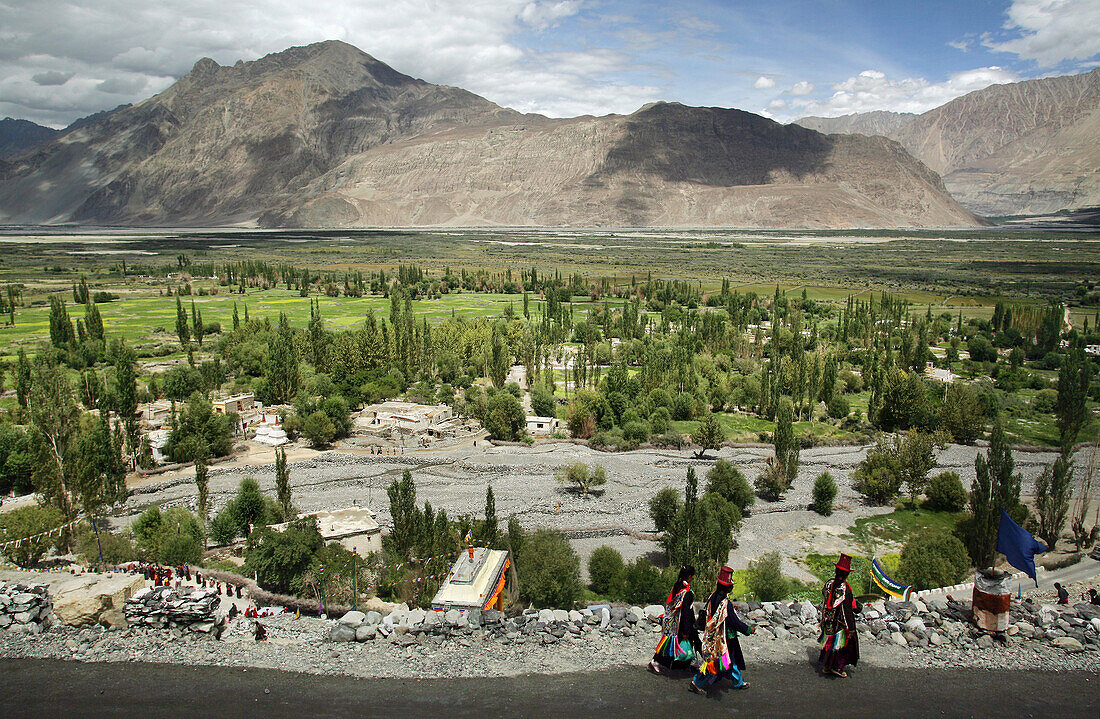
[(473, 617), (807, 612), (365, 632), (634, 615), (781, 633), (575, 616), (985, 641), (935, 639), (414, 617), (915, 625), (605, 617), (899, 639), (115, 619), (373, 617), (618, 613), (1069, 644), (341, 633), (452, 617), (654, 612), (353, 618), (561, 615), (546, 616)]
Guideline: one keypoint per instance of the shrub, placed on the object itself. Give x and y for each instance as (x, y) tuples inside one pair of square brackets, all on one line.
[(642, 583), (224, 529), (279, 559), (549, 570), (727, 481), (664, 507), (29, 522), (153, 529), (932, 560), (583, 477), (636, 432), (878, 477), (117, 549), (1045, 400), (824, 494), (318, 429), (543, 403), (946, 493), (772, 482), (605, 571), (180, 549), (765, 580), (249, 506), (659, 419), (838, 407), (504, 418)]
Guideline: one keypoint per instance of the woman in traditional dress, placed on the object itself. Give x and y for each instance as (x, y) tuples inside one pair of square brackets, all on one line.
[(679, 637), (722, 655), (840, 641)]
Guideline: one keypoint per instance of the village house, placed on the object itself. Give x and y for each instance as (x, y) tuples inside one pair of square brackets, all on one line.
[(405, 416), (237, 403), (354, 528), (542, 426)]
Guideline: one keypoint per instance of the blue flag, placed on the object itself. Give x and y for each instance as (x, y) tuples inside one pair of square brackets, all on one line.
[(1018, 546)]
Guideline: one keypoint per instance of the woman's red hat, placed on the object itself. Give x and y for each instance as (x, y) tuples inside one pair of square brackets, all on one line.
[(844, 564), (725, 576)]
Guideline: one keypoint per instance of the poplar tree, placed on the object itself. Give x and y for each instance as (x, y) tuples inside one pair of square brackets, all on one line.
[(182, 330), (282, 484), (202, 484)]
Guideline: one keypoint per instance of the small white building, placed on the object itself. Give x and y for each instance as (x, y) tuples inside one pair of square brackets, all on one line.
[(271, 435), (158, 438), (154, 415), (542, 426), (354, 528)]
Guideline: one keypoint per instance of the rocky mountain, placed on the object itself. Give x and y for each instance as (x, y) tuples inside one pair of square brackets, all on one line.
[(877, 122), (20, 136), (326, 135), (1022, 148)]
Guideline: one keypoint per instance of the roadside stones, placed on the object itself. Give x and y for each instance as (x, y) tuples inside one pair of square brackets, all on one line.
[(353, 618), (25, 607), (654, 612), (634, 615), (1069, 644), (341, 633), (899, 639), (187, 608), (546, 616)]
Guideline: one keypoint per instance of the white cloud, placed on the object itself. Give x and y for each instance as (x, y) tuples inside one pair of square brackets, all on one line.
[(1051, 31), (124, 50), (873, 90), (777, 104), (963, 44), (763, 82), (802, 88)]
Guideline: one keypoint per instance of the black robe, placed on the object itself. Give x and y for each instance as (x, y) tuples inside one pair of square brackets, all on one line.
[(734, 626)]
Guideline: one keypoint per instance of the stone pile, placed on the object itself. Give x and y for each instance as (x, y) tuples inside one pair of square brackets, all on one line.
[(25, 608), (187, 608), (914, 624)]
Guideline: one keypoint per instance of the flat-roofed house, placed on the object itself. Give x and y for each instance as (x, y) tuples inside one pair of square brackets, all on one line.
[(542, 426), (237, 403), (355, 528)]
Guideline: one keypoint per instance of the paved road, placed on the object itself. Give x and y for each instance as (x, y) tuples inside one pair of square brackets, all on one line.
[(46, 688)]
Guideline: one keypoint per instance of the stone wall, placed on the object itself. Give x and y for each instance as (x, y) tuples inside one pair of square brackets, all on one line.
[(188, 608), (25, 608), (907, 624)]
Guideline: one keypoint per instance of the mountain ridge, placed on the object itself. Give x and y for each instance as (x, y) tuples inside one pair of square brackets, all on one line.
[(325, 134), (1031, 147)]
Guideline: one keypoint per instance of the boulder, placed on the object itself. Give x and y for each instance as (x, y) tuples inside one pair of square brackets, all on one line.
[(635, 615), (575, 616), (915, 625), (414, 617), (1069, 644), (353, 618), (365, 632), (546, 616), (341, 633), (561, 615), (899, 639), (654, 612), (113, 619)]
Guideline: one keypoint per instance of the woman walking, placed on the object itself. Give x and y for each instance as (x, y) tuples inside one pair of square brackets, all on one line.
[(840, 641), (722, 655), (679, 637)]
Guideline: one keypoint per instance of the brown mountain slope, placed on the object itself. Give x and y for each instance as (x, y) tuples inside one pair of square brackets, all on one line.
[(1022, 148), (327, 135), (877, 122)]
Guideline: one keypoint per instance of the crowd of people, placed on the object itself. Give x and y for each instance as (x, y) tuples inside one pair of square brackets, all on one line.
[(717, 655), (163, 576)]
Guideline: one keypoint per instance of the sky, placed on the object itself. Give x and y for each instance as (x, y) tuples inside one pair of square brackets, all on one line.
[(64, 59)]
